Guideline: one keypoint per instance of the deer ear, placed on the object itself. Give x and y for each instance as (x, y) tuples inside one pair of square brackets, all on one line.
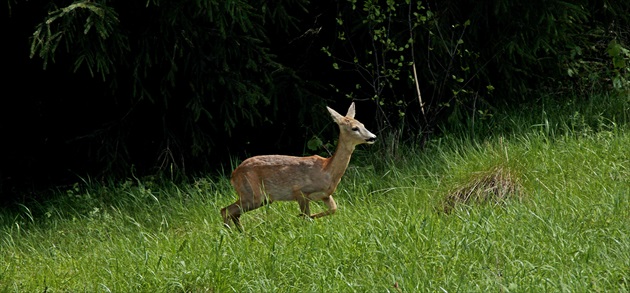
[(336, 116), (351, 111)]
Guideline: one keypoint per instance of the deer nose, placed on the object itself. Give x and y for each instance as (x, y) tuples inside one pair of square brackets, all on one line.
[(371, 139)]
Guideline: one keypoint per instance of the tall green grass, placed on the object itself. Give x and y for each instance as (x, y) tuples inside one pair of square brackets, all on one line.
[(568, 229)]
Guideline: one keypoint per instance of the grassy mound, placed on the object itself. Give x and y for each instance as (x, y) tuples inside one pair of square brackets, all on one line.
[(496, 186)]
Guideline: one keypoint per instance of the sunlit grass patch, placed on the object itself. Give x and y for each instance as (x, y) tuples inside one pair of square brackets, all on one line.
[(529, 213)]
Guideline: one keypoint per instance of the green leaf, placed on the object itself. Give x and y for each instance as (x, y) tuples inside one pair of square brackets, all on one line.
[(619, 62), (614, 49), (314, 143)]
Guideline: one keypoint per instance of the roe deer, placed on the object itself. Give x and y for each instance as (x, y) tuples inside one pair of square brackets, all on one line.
[(263, 179)]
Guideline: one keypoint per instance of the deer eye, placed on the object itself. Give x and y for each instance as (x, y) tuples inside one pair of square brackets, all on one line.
[(355, 128)]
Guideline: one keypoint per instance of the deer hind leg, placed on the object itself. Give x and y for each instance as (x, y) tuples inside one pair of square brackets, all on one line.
[(232, 213), (332, 207), (249, 198)]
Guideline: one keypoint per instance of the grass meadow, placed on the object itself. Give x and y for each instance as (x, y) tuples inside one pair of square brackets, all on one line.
[(543, 205)]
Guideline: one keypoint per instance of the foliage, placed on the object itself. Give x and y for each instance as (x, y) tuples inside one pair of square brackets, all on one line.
[(620, 56), (98, 40), (382, 43), (193, 68), (455, 62)]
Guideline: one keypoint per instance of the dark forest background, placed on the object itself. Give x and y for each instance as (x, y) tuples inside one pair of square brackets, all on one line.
[(110, 89)]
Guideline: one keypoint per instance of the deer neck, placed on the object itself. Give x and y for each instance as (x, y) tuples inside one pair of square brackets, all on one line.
[(338, 163)]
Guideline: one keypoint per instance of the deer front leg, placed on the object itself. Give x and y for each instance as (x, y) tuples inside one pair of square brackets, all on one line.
[(332, 207)]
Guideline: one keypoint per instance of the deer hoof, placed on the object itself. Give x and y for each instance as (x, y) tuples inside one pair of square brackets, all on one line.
[(305, 216)]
